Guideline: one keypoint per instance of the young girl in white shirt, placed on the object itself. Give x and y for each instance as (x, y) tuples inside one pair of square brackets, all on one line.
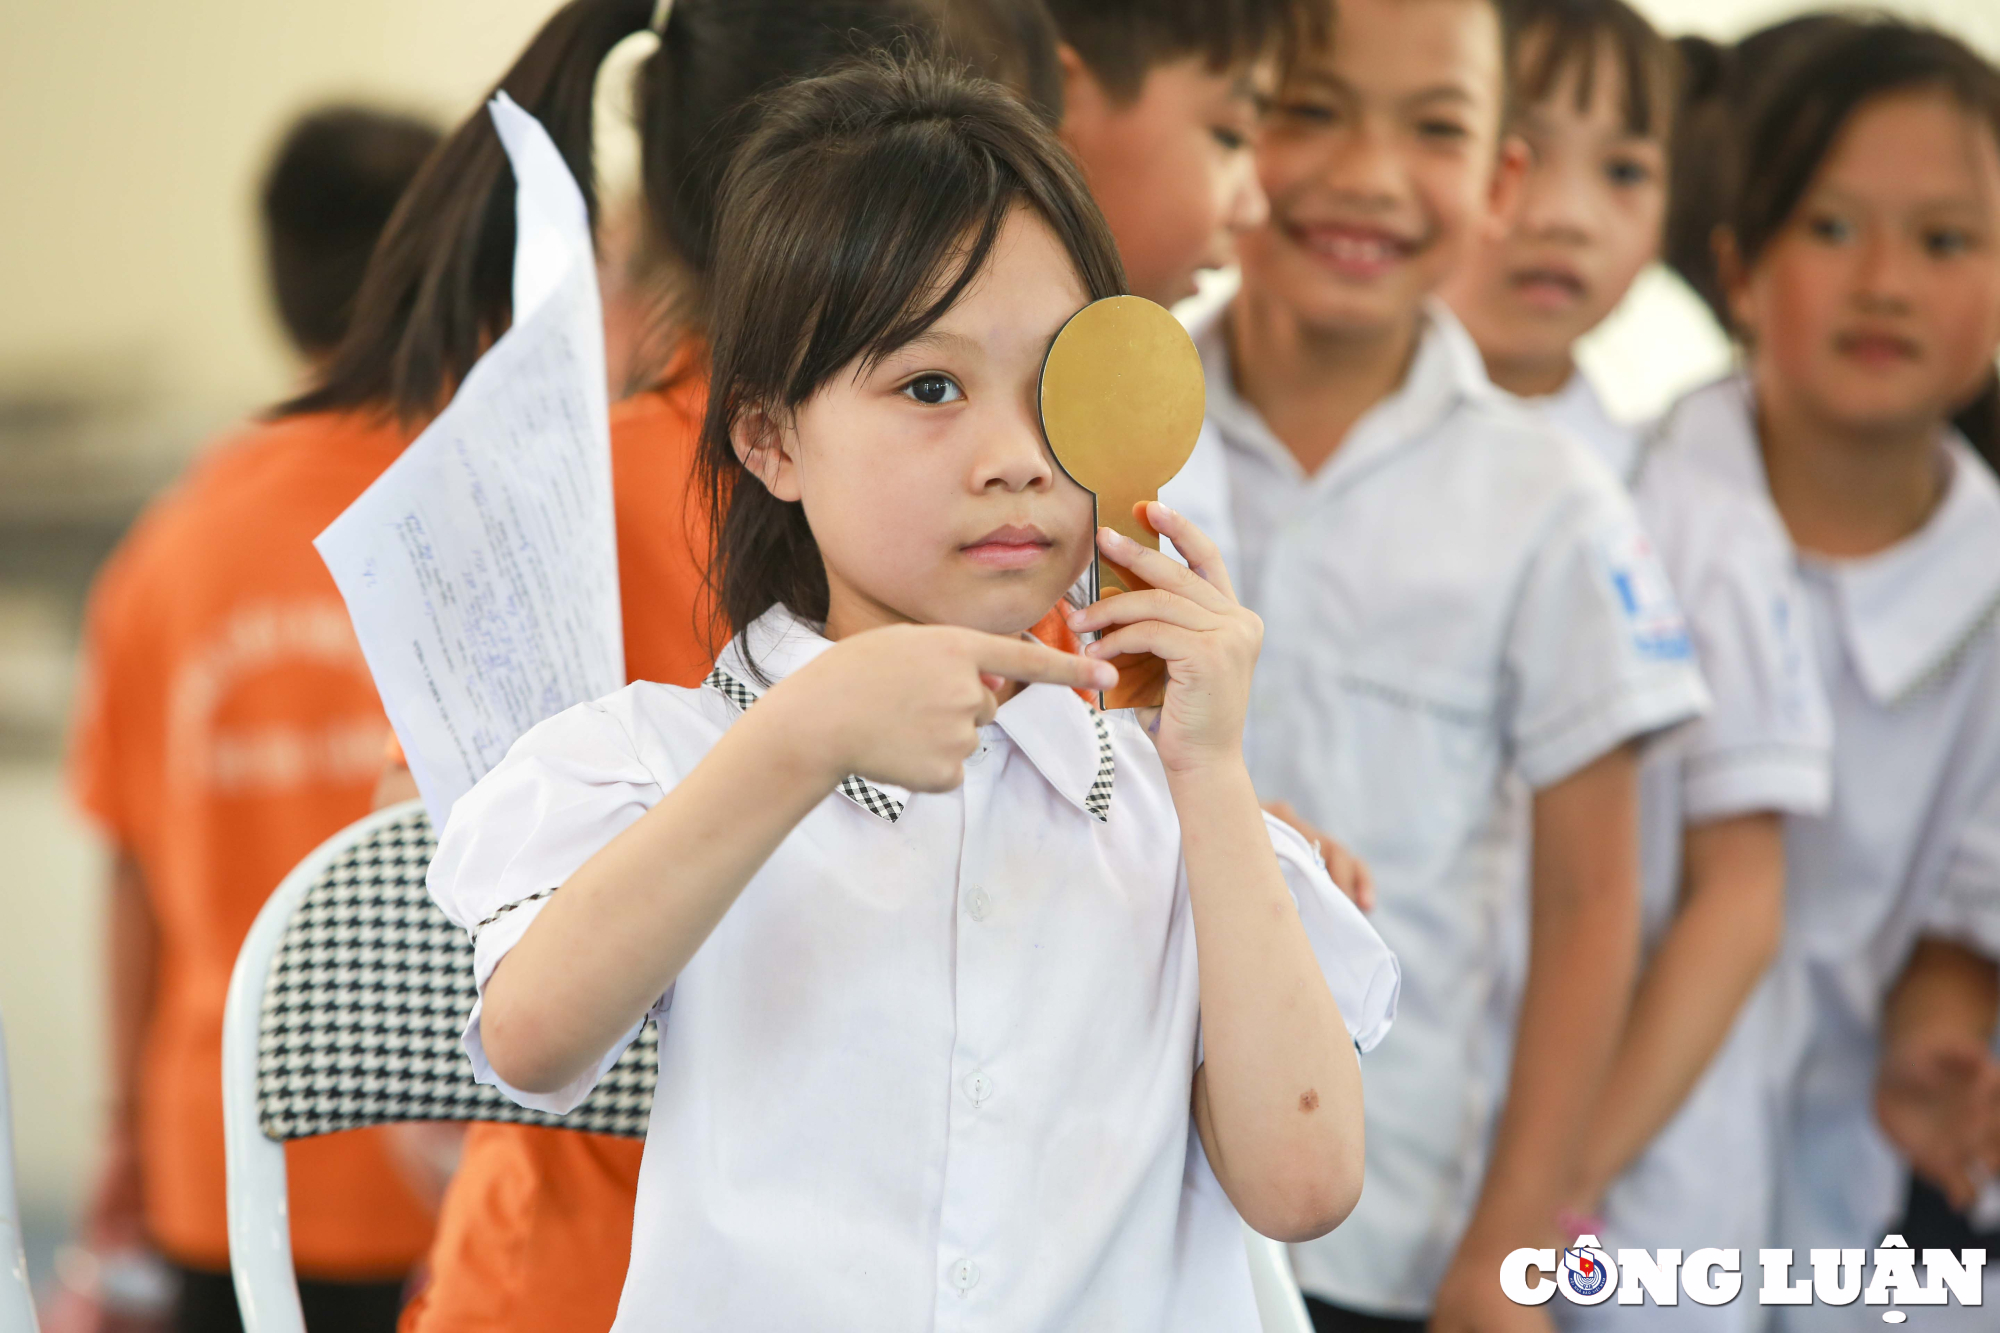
[(1861, 259), (977, 1006)]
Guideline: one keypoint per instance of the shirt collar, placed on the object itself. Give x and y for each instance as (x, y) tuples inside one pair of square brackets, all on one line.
[(1903, 612), (1909, 609), (1067, 742), (1714, 428), (1061, 735), (1579, 409), (1445, 372)]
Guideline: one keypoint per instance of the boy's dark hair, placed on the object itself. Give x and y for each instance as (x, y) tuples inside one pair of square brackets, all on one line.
[(857, 214), (441, 287), (1122, 40), (1716, 81), (1552, 39), (327, 195), (1798, 112)]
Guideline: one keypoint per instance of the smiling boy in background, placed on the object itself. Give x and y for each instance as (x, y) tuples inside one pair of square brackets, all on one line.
[(1465, 633)]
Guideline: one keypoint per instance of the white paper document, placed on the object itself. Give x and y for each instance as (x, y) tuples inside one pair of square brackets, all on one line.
[(481, 569)]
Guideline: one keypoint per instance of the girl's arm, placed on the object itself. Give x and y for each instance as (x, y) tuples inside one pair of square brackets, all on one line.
[(901, 705), (1722, 938), (1277, 1100)]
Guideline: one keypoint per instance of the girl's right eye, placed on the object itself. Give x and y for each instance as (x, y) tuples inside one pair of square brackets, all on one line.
[(1830, 229), (933, 390)]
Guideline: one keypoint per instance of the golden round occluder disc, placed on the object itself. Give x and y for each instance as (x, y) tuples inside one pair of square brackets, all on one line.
[(1122, 399)]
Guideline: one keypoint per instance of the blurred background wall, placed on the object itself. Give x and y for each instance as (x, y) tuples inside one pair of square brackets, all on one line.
[(133, 325)]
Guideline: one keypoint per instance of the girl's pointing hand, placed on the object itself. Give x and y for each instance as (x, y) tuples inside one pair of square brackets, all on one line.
[(904, 704)]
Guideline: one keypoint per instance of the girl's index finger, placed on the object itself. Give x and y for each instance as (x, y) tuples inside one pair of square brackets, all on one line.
[(1034, 663), (1203, 556)]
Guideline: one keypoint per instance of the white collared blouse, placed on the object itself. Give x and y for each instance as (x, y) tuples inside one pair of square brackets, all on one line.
[(1907, 645), (927, 1073), (1459, 605)]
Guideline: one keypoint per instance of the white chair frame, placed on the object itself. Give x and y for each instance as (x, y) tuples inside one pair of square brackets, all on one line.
[(260, 1224), (17, 1300), (260, 1230)]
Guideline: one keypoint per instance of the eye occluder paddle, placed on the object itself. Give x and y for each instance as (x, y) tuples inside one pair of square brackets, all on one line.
[(1122, 401)]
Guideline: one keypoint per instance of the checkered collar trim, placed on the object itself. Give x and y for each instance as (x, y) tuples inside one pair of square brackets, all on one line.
[(1040, 720), (855, 788)]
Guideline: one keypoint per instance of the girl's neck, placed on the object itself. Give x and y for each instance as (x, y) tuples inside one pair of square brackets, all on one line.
[(1312, 385), (1846, 492)]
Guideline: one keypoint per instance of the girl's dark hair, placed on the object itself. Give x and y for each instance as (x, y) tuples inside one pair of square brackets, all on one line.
[(440, 285), (857, 214), (1979, 422), (1716, 81), (1791, 124), (1552, 38)]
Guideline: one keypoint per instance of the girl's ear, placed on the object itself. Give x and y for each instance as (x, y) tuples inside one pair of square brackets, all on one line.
[(1734, 282), (1088, 106), (1507, 186), (767, 451)]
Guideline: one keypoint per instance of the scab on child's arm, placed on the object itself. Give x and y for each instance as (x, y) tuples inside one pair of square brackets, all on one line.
[(901, 704), (1277, 1099)]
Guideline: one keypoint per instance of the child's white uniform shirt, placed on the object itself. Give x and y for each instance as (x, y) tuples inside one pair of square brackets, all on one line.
[(1907, 644), (1577, 408), (1764, 746), (928, 1074), (1459, 599)]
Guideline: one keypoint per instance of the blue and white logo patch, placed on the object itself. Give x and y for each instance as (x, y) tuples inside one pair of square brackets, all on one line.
[(1645, 598)]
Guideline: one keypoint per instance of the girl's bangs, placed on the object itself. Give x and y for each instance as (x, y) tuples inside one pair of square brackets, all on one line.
[(939, 215)]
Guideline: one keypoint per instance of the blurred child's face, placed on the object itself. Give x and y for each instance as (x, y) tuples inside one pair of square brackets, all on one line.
[(1877, 306), (925, 477), (1586, 220), (1172, 169), (1380, 160)]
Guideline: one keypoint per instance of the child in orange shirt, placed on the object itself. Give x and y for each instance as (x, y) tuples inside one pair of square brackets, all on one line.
[(226, 726)]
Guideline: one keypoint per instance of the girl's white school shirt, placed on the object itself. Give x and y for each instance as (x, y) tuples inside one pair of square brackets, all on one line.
[(1907, 645), (925, 1074), (1765, 746), (1458, 606)]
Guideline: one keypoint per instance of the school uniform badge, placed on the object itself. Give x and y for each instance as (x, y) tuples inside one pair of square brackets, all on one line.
[(1587, 1275), (1645, 598)]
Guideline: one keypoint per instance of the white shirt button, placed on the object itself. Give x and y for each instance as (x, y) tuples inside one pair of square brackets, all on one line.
[(965, 1275), (978, 1087), (977, 904)]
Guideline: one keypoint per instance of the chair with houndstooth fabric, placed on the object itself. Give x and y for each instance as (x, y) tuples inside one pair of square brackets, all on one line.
[(346, 1010)]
